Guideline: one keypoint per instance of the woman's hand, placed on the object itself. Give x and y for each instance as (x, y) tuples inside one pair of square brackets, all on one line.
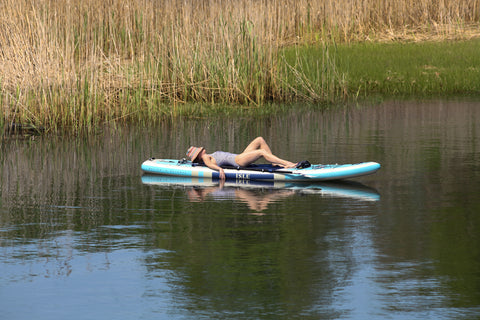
[(222, 174)]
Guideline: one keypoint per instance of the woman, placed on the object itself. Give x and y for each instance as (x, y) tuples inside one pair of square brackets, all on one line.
[(257, 149)]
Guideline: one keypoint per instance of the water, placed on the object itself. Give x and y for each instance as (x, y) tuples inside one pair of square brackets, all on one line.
[(84, 236)]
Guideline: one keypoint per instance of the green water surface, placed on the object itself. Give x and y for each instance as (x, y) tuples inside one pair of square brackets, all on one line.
[(83, 235)]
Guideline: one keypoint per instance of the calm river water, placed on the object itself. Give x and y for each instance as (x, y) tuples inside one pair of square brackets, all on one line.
[(83, 235)]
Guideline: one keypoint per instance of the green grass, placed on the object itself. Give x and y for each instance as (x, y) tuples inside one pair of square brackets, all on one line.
[(424, 69)]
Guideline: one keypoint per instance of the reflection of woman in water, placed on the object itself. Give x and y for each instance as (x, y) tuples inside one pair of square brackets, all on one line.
[(255, 201), (257, 149)]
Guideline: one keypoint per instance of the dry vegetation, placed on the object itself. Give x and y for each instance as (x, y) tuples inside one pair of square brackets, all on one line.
[(77, 63)]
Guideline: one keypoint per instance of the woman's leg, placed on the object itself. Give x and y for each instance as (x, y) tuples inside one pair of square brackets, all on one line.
[(249, 157), (256, 144)]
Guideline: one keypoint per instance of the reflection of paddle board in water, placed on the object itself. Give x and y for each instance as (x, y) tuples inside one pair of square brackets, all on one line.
[(261, 171), (344, 189)]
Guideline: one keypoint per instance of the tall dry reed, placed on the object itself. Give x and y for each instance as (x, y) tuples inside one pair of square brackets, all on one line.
[(77, 63)]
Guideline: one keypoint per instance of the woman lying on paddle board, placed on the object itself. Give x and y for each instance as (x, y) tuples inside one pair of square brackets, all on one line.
[(257, 149)]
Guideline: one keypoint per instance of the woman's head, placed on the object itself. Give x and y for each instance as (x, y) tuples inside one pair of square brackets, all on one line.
[(194, 152)]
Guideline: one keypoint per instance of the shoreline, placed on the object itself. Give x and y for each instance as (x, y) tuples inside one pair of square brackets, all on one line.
[(72, 67), (354, 73)]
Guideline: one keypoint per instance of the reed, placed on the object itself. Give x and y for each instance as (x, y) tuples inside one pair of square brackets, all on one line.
[(73, 65)]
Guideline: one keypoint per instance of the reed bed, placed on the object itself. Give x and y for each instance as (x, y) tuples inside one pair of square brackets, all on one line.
[(76, 64)]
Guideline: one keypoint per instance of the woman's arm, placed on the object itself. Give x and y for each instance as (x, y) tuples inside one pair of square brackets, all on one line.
[(212, 164)]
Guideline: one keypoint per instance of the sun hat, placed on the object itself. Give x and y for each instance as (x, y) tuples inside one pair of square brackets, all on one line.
[(193, 152)]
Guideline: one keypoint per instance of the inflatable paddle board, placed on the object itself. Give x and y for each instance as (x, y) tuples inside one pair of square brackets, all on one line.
[(263, 172)]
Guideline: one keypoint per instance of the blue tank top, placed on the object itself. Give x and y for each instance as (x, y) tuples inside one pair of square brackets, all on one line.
[(224, 158)]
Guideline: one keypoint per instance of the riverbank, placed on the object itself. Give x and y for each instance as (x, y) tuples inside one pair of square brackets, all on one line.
[(74, 66), (393, 69)]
